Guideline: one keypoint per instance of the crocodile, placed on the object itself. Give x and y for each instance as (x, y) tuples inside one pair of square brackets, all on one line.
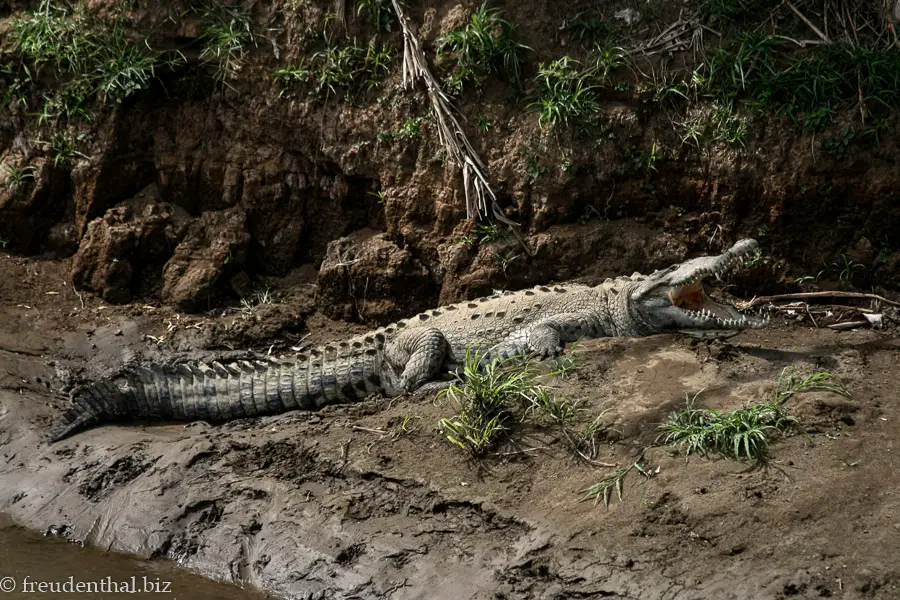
[(421, 353)]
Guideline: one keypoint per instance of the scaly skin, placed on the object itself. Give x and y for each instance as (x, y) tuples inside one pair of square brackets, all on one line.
[(412, 355)]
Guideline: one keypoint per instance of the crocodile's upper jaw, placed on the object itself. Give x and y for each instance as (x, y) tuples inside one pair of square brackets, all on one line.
[(675, 298)]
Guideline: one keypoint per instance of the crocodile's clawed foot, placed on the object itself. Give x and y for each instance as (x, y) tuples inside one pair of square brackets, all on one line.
[(545, 353)]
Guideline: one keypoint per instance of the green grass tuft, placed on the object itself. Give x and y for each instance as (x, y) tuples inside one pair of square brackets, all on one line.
[(486, 44), (88, 58), (225, 35), (603, 489), (380, 12), (739, 434), (486, 396), (565, 94), (745, 433)]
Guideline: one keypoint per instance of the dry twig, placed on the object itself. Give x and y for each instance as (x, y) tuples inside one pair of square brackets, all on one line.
[(803, 18), (763, 299)]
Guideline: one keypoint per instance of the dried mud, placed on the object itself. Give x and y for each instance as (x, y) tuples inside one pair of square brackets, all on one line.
[(322, 505)]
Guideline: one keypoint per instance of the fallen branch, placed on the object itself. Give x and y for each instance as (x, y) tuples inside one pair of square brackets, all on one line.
[(804, 295), (803, 18)]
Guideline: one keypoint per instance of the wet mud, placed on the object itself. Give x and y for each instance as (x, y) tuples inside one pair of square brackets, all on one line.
[(330, 505)]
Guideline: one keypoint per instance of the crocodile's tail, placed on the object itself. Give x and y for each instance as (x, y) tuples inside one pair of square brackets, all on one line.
[(216, 392)]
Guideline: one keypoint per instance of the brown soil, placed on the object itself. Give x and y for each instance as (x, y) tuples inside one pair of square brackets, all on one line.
[(322, 505)]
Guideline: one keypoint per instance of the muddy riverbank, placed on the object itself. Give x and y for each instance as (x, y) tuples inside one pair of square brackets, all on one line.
[(323, 505)]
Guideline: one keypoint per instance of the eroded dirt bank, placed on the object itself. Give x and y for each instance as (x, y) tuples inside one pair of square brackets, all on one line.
[(193, 185), (320, 505)]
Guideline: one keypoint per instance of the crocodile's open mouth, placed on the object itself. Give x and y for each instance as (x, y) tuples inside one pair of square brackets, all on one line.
[(704, 311), (692, 298)]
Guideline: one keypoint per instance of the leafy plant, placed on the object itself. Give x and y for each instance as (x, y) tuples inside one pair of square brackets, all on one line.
[(16, 176), (534, 168), (504, 258), (483, 124), (485, 395), (739, 434), (94, 59), (733, 11), (225, 34), (745, 433), (489, 232), (728, 127), (348, 67), (46, 36), (845, 267), (492, 396), (63, 149), (605, 60), (603, 489), (565, 365), (380, 12), (836, 147), (790, 384), (565, 95), (757, 259), (693, 131), (411, 128), (636, 160), (486, 44), (292, 75)]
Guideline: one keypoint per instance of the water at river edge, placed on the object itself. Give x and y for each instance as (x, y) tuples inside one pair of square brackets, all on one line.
[(28, 559)]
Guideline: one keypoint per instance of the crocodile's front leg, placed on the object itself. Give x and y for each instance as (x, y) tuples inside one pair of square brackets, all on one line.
[(419, 355)]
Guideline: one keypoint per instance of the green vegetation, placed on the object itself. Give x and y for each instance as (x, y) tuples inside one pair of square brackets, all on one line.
[(486, 396), (565, 365), (807, 88), (89, 59), (845, 268), (720, 124), (564, 95), (225, 35), (411, 128), (349, 69), (592, 30), (603, 489), (740, 434), (16, 176), (492, 396), (71, 64), (380, 12), (734, 11), (489, 232), (288, 77), (63, 147), (486, 232), (745, 433), (486, 44), (483, 124), (566, 92)]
